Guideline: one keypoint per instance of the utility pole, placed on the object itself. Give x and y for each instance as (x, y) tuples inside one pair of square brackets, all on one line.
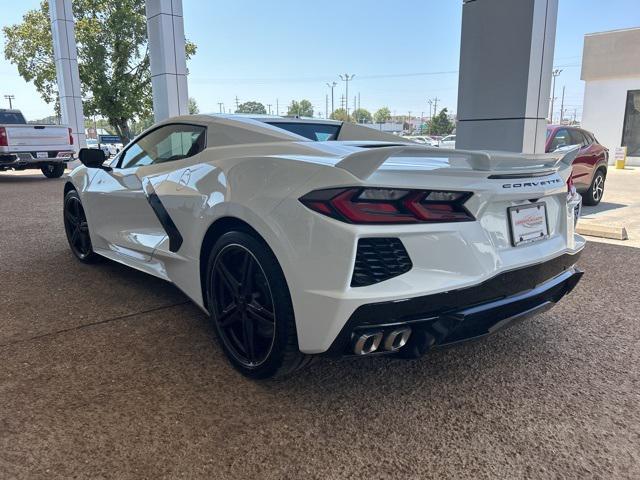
[(269, 106), (10, 98), (342, 102), (237, 103), (562, 107), (355, 108), (554, 74), (332, 85), (346, 79), (326, 105), (435, 106), (221, 107), (277, 108)]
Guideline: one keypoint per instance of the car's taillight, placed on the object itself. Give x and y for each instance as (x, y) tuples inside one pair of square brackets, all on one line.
[(4, 142), (70, 137), (386, 205)]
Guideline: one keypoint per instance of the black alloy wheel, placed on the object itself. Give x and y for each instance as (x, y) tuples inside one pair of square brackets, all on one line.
[(76, 228), (243, 305), (250, 306)]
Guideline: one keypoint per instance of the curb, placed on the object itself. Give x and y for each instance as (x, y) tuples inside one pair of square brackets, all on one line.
[(604, 231)]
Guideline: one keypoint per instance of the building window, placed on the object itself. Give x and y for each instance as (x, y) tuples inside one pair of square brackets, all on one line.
[(631, 129)]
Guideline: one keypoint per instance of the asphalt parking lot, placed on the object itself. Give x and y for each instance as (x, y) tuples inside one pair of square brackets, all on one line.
[(108, 373)]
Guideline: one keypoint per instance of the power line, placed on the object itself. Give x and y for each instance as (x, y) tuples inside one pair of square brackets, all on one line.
[(268, 80)]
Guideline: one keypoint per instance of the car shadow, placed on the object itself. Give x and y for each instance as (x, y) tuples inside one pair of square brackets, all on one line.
[(29, 178), (601, 207)]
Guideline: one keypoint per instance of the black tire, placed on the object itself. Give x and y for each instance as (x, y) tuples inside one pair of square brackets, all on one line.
[(248, 297), (53, 171), (77, 229), (593, 196)]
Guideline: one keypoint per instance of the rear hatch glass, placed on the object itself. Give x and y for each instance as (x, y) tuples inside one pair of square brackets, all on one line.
[(319, 132)]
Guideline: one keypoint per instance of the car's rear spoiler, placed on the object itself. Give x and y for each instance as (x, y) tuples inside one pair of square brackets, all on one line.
[(364, 163)]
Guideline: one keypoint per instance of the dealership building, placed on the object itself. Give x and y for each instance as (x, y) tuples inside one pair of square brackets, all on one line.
[(611, 71)]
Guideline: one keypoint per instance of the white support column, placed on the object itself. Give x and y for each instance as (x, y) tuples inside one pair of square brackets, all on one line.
[(506, 59), (165, 29), (66, 59)]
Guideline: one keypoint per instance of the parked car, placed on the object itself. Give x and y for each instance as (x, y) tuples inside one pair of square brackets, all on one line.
[(306, 237), (24, 146), (589, 167), (93, 143), (448, 142), (114, 148), (423, 139)]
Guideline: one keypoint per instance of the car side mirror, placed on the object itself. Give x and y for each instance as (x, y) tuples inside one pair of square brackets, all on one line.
[(93, 158)]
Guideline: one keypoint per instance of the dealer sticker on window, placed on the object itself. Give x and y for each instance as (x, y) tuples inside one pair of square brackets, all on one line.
[(528, 223)]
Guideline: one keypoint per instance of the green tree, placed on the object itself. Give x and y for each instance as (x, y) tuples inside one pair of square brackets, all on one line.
[(340, 114), (362, 115), (383, 115), (303, 108), (440, 124), (113, 60), (193, 106), (251, 107)]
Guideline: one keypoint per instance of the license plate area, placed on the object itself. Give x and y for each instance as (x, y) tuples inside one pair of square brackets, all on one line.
[(528, 223), (42, 155)]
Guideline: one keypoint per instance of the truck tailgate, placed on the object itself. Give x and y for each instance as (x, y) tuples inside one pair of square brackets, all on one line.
[(37, 137)]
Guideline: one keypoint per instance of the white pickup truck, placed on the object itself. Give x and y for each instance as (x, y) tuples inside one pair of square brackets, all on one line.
[(23, 146)]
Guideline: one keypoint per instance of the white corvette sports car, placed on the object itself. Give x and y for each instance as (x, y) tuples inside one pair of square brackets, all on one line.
[(304, 237)]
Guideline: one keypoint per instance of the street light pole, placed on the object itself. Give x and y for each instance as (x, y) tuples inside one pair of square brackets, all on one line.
[(554, 74), (331, 85), (346, 78), (562, 107)]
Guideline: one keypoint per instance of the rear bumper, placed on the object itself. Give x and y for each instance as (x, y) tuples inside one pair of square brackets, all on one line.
[(455, 316), (24, 160)]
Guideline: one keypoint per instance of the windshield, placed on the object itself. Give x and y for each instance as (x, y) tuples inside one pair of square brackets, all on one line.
[(12, 118), (319, 132)]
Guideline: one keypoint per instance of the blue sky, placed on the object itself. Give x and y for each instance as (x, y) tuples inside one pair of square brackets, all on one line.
[(286, 49)]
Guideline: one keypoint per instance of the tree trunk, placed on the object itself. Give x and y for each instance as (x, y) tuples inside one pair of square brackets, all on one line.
[(122, 129)]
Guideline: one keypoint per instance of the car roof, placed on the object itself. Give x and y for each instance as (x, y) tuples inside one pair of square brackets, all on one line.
[(570, 127)]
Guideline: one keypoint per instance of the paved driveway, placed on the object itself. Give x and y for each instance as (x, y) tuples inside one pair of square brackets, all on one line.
[(108, 373), (620, 205)]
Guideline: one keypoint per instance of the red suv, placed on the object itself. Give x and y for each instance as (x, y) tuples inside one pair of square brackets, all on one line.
[(589, 167)]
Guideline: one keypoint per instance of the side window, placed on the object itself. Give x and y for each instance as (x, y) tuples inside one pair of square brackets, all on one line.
[(590, 137), (578, 138), (165, 144), (562, 138)]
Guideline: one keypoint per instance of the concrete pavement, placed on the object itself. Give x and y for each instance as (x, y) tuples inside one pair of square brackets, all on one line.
[(620, 206), (108, 373)]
